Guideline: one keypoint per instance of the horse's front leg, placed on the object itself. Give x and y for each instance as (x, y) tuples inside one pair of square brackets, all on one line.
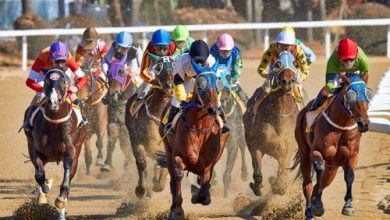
[(68, 162), (101, 111), (140, 160), (242, 146), (349, 177), (160, 178), (232, 151), (124, 143), (257, 175), (88, 153), (113, 132), (40, 177), (176, 210), (203, 196)]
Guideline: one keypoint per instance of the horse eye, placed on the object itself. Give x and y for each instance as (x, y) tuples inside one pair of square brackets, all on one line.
[(351, 96), (202, 83)]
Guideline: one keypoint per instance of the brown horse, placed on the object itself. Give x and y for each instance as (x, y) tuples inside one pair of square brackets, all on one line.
[(333, 142), (269, 126), (233, 113), (197, 143), (120, 90), (55, 137), (96, 112), (142, 121)]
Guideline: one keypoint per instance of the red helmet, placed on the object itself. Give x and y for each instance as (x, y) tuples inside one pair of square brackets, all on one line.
[(347, 49)]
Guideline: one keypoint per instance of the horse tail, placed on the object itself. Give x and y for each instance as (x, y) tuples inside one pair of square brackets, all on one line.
[(162, 159), (296, 163)]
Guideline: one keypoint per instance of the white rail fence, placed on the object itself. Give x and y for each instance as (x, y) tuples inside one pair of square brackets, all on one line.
[(206, 27), (379, 111)]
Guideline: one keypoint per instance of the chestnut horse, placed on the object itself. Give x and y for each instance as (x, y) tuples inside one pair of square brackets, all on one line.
[(96, 112), (120, 90), (269, 126), (233, 112), (197, 143), (55, 137), (142, 121), (333, 141)]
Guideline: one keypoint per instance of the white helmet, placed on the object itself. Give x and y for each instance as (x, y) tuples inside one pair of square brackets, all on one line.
[(285, 37)]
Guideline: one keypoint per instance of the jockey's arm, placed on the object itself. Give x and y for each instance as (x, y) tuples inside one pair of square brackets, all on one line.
[(310, 55), (178, 87), (237, 69), (79, 55), (302, 60), (80, 75), (265, 60), (33, 76), (144, 72)]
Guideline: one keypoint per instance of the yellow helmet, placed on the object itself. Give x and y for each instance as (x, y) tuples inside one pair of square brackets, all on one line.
[(288, 29)]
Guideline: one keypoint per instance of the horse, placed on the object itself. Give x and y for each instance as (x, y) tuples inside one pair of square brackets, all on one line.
[(142, 121), (269, 125), (96, 112), (234, 111), (197, 143), (332, 141), (55, 137), (120, 90)]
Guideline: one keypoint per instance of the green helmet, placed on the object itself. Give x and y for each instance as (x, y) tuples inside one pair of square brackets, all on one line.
[(180, 33)]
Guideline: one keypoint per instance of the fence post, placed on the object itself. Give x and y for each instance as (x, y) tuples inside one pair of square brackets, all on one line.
[(205, 38), (266, 39), (388, 41), (327, 43), (24, 53), (144, 41)]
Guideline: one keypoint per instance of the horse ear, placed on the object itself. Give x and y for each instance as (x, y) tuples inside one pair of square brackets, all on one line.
[(296, 64)]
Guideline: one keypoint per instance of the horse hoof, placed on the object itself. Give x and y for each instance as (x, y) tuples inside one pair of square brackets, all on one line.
[(105, 168), (178, 215), (318, 211), (140, 192), (42, 199), (61, 215), (348, 211), (158, 188), (256, 190), (207, 201), (100, 162), (60, 202)]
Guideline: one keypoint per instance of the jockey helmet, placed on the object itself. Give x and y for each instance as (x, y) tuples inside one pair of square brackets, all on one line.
[(161, 37), (225, 42), (288, 29), (285, 37), (124, 39), (90, 36), (180, 33), (199, 50), (58, 51), (347, 49)]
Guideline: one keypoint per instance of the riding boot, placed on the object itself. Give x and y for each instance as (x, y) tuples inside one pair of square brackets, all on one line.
[(172, 112), (243, 96), (318, 101), (26, 125), (225, 128), (83, 116)]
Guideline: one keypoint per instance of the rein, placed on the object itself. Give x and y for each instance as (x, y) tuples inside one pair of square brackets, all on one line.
[(188, 125)]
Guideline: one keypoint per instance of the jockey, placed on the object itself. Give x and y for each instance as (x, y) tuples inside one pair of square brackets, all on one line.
[(183, 84), (310, 56), (90, 53), (227, 53), (284, 41), (348, 58), (160, 45), (182, 39), (55, 56)]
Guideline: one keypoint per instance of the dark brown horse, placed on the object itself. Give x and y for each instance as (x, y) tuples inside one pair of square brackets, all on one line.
[(197, 143), (96, 112), (143, 120), (234, 111), (120, 90), (55, 137), (269, 126), (333, 142)]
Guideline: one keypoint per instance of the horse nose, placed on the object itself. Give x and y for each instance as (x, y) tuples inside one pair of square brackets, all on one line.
[(363, 126)]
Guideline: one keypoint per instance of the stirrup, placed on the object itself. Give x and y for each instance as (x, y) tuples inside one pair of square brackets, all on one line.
[(225, 129), (85, 120), (168, 127)]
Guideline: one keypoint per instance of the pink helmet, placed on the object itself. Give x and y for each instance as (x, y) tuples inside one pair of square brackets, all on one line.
[(225, 42)]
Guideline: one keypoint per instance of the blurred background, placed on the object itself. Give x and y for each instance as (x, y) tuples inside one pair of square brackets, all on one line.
[(38, 14)]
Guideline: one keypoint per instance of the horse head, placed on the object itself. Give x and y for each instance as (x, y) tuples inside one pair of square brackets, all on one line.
[(163, 70), (118, 80), (206, 88), (55, 89), (356, 99), (285, 71)]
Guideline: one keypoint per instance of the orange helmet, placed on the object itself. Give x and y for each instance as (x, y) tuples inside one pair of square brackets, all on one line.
[(347, 49)]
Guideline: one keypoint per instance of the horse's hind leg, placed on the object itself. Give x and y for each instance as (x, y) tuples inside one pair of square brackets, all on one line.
[(124, 143), (140, 161), (232, 151), (257, 175), (244, 169), (113, 131), (160, 178), (88, 154)]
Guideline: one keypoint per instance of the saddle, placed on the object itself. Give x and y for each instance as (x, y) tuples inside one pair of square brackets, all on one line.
[(138, 104), (313, 116)]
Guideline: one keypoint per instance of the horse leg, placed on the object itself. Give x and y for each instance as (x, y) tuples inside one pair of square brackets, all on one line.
[(203, 196), (257, 175), (88, 154), (307, 185), (113, 131), (160, 178), (124, 143), (232, 151), (140, 161), (44, 184), (244, 169), (101, 111), (349, 177), (176, 210), (61, 199)]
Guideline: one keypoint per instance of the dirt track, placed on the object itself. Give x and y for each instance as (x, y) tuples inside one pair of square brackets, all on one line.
[(92, 198)]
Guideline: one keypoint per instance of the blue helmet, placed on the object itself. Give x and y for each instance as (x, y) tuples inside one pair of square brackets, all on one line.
[(161, 38), (124, 39)]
